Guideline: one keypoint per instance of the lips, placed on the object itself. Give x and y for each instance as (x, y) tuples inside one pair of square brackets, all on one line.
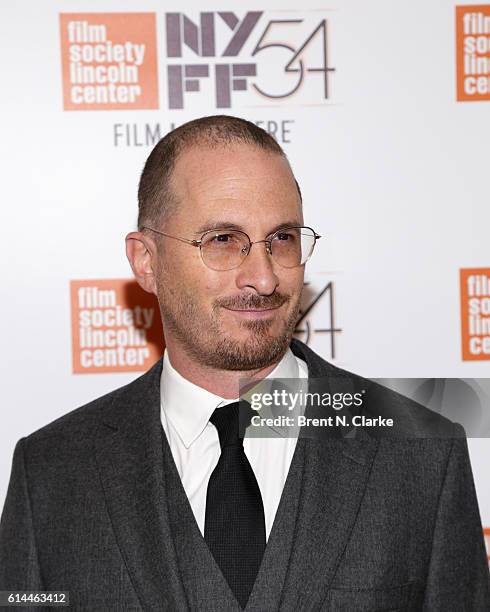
[(252, 309), (253, 312)]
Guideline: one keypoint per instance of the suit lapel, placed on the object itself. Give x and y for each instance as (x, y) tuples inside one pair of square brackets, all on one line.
[(129, 457), (336, 473), (335, 476)]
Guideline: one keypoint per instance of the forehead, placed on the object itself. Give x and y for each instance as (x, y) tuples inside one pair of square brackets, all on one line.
[(235, 180)]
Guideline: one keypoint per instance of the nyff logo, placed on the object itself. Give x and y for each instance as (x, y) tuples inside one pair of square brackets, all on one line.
[(267, 60)]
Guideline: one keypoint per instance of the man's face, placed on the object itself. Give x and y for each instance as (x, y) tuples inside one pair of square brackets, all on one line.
[(240, 319)]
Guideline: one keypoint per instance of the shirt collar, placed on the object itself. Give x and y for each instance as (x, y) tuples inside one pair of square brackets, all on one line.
[(189, 407)]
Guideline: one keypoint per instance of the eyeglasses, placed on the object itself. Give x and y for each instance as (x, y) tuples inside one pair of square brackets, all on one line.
[(223, 249)]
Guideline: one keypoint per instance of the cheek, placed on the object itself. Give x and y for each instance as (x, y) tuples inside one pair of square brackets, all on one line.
[(292, 283), (206, 286), (182, 272), (213, 283)]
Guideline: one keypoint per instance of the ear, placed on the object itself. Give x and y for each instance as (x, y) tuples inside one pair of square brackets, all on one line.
[(141, 253)]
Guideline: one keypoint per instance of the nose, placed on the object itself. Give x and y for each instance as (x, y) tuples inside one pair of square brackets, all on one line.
[(257, 270)]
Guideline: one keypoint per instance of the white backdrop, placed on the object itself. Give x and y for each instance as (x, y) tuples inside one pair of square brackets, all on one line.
[(393, 169)]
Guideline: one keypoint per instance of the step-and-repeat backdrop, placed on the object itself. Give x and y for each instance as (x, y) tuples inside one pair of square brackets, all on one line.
[(383, 109)]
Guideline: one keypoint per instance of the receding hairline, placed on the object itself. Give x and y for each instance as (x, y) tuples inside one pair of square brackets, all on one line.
[(204, 147), (175, 199)]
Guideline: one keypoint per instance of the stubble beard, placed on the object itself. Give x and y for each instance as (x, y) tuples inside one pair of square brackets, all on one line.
[(206, 341)]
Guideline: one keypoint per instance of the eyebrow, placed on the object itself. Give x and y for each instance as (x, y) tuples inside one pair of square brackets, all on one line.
[(212, 225)]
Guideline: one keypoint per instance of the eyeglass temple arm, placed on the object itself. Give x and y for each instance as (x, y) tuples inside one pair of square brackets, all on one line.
[(192, 242)]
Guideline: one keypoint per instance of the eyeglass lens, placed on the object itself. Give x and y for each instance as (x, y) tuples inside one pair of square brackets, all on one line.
[(225, 250)]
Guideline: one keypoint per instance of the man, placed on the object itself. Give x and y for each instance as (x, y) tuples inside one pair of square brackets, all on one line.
[(148, 499)]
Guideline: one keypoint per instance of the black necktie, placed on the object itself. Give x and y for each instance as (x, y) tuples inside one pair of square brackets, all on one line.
[(234, 527)]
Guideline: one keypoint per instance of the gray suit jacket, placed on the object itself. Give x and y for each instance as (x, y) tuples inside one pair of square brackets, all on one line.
[(95, 507)]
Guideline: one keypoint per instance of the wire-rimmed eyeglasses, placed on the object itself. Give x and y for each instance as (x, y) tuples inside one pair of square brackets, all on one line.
[(226, 249)]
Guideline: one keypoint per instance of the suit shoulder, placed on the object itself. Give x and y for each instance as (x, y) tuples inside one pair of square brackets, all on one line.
[(78, 423), (410, 418)]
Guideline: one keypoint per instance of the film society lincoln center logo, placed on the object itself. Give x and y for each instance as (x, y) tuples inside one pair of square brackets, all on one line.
[(109, 61), (473, 52), (475, 313), (116, 327)]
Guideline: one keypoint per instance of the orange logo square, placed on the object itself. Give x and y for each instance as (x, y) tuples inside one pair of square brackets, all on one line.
[(486, 533), (473, 52), (109, 61), (116, 327), (475, 313)]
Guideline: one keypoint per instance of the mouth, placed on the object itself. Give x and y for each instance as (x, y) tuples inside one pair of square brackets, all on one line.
[(253, 313)]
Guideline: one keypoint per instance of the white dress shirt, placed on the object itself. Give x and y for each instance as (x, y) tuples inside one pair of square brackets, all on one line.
[(185, 412)]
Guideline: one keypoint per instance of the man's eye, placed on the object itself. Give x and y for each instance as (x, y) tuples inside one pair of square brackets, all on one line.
[(224, 240), (223, 237), (284, 236)]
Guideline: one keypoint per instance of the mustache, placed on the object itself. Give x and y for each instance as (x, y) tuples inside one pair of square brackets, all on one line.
[(252, 302)]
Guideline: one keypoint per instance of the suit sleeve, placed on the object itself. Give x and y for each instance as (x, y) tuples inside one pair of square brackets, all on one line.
[(458, 577), (19, 566)]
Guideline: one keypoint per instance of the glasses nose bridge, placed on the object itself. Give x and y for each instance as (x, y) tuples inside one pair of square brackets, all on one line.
[(268, 245)]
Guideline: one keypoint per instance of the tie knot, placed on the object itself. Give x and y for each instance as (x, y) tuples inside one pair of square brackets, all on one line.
[(231, 421)]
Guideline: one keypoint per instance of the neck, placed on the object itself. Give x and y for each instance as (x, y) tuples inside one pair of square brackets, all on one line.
[(224, 383)]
